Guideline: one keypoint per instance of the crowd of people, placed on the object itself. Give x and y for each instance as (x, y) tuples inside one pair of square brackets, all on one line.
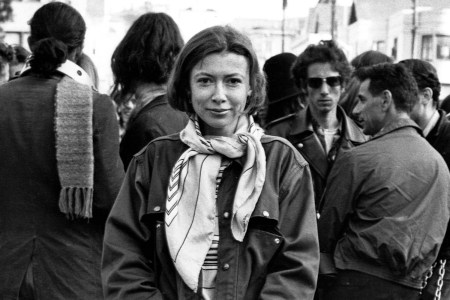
[(204, 176)]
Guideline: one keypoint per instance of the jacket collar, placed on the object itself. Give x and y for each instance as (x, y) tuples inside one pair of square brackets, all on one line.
[(395, 125), (441, 125), (303, 124), (70, 69)]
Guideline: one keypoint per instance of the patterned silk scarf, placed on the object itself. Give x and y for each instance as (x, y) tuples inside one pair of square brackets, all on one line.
[(190, 204)]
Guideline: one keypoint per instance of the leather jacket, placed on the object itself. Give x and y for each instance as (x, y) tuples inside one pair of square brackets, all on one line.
[(299, 131), (278, 258)]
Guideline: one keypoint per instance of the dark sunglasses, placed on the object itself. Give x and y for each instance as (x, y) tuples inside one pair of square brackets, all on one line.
[(316, 82)]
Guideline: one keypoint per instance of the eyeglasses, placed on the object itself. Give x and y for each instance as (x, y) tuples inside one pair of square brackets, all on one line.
[(316, 82)]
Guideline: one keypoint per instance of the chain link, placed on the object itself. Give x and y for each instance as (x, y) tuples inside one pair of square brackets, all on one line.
[(440, 281), (428, 275)]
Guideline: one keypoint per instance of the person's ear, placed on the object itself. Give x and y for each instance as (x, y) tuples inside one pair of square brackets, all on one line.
[(386, 100), (427, 96)]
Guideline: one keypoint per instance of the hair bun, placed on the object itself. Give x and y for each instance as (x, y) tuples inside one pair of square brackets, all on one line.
[(48, 55)]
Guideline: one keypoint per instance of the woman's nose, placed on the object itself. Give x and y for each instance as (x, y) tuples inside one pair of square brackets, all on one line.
[(219, 93)]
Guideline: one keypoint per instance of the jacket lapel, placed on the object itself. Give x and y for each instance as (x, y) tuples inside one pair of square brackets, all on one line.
[(304, 139)]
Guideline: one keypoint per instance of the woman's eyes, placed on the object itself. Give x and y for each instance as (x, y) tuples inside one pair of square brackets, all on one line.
[(204, 81), (234, 81)]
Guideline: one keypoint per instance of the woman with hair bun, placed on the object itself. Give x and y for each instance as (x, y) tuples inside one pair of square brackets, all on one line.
[(60, 170)]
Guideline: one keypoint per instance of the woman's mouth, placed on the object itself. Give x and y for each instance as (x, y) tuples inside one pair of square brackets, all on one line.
[(219, 111)]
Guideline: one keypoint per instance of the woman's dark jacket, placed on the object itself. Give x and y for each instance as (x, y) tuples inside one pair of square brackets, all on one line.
[(278, 258), (64, 255)]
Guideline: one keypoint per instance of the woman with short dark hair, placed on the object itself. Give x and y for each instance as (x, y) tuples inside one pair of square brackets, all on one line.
[(220, 210), (60, 170)]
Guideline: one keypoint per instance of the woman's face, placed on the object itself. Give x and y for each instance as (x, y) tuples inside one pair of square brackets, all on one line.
[(220, 85)]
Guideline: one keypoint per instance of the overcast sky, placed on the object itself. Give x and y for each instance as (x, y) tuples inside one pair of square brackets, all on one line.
[(270, 9)]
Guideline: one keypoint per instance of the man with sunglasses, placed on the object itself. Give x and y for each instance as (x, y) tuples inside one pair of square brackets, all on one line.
[(386, 204), (322, 130)]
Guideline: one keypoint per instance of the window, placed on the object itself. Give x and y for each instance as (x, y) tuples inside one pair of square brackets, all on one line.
[(427, 47), (13, 38), (443, 47), (379, 46)]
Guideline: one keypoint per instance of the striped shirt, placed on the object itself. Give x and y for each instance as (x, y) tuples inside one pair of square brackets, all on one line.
[(209, 268)]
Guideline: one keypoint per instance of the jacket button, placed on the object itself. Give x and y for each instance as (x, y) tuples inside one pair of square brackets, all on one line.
[(266, 213), (318, 216), (300, 145), (277, 241), (157, 208), (225, 267), (226, 215), (158, 225)]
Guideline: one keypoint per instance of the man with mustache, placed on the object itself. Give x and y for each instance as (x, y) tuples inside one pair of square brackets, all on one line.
[(386, 204)]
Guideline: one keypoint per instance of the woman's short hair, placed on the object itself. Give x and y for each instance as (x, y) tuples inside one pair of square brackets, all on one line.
[(56, 30), (217, 39), (146, 53)]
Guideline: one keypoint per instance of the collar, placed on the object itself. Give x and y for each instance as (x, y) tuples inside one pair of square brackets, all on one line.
[(303, 123), (147, 92), (431, 123), (70, 69), (397, 124)]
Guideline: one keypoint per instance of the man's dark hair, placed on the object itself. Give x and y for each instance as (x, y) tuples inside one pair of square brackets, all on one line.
[(324, 52), (425, 75), (394, 78), (370, 58)]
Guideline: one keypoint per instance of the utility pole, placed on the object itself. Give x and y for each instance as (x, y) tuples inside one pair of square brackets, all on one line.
[(414, 27), (333, 19), (283, 21)]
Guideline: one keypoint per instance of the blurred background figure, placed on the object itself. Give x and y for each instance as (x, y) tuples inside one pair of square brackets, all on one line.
[(60, 169), (141, 65), (20, 58), (350, 96), (283, 97), (6, 57)]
